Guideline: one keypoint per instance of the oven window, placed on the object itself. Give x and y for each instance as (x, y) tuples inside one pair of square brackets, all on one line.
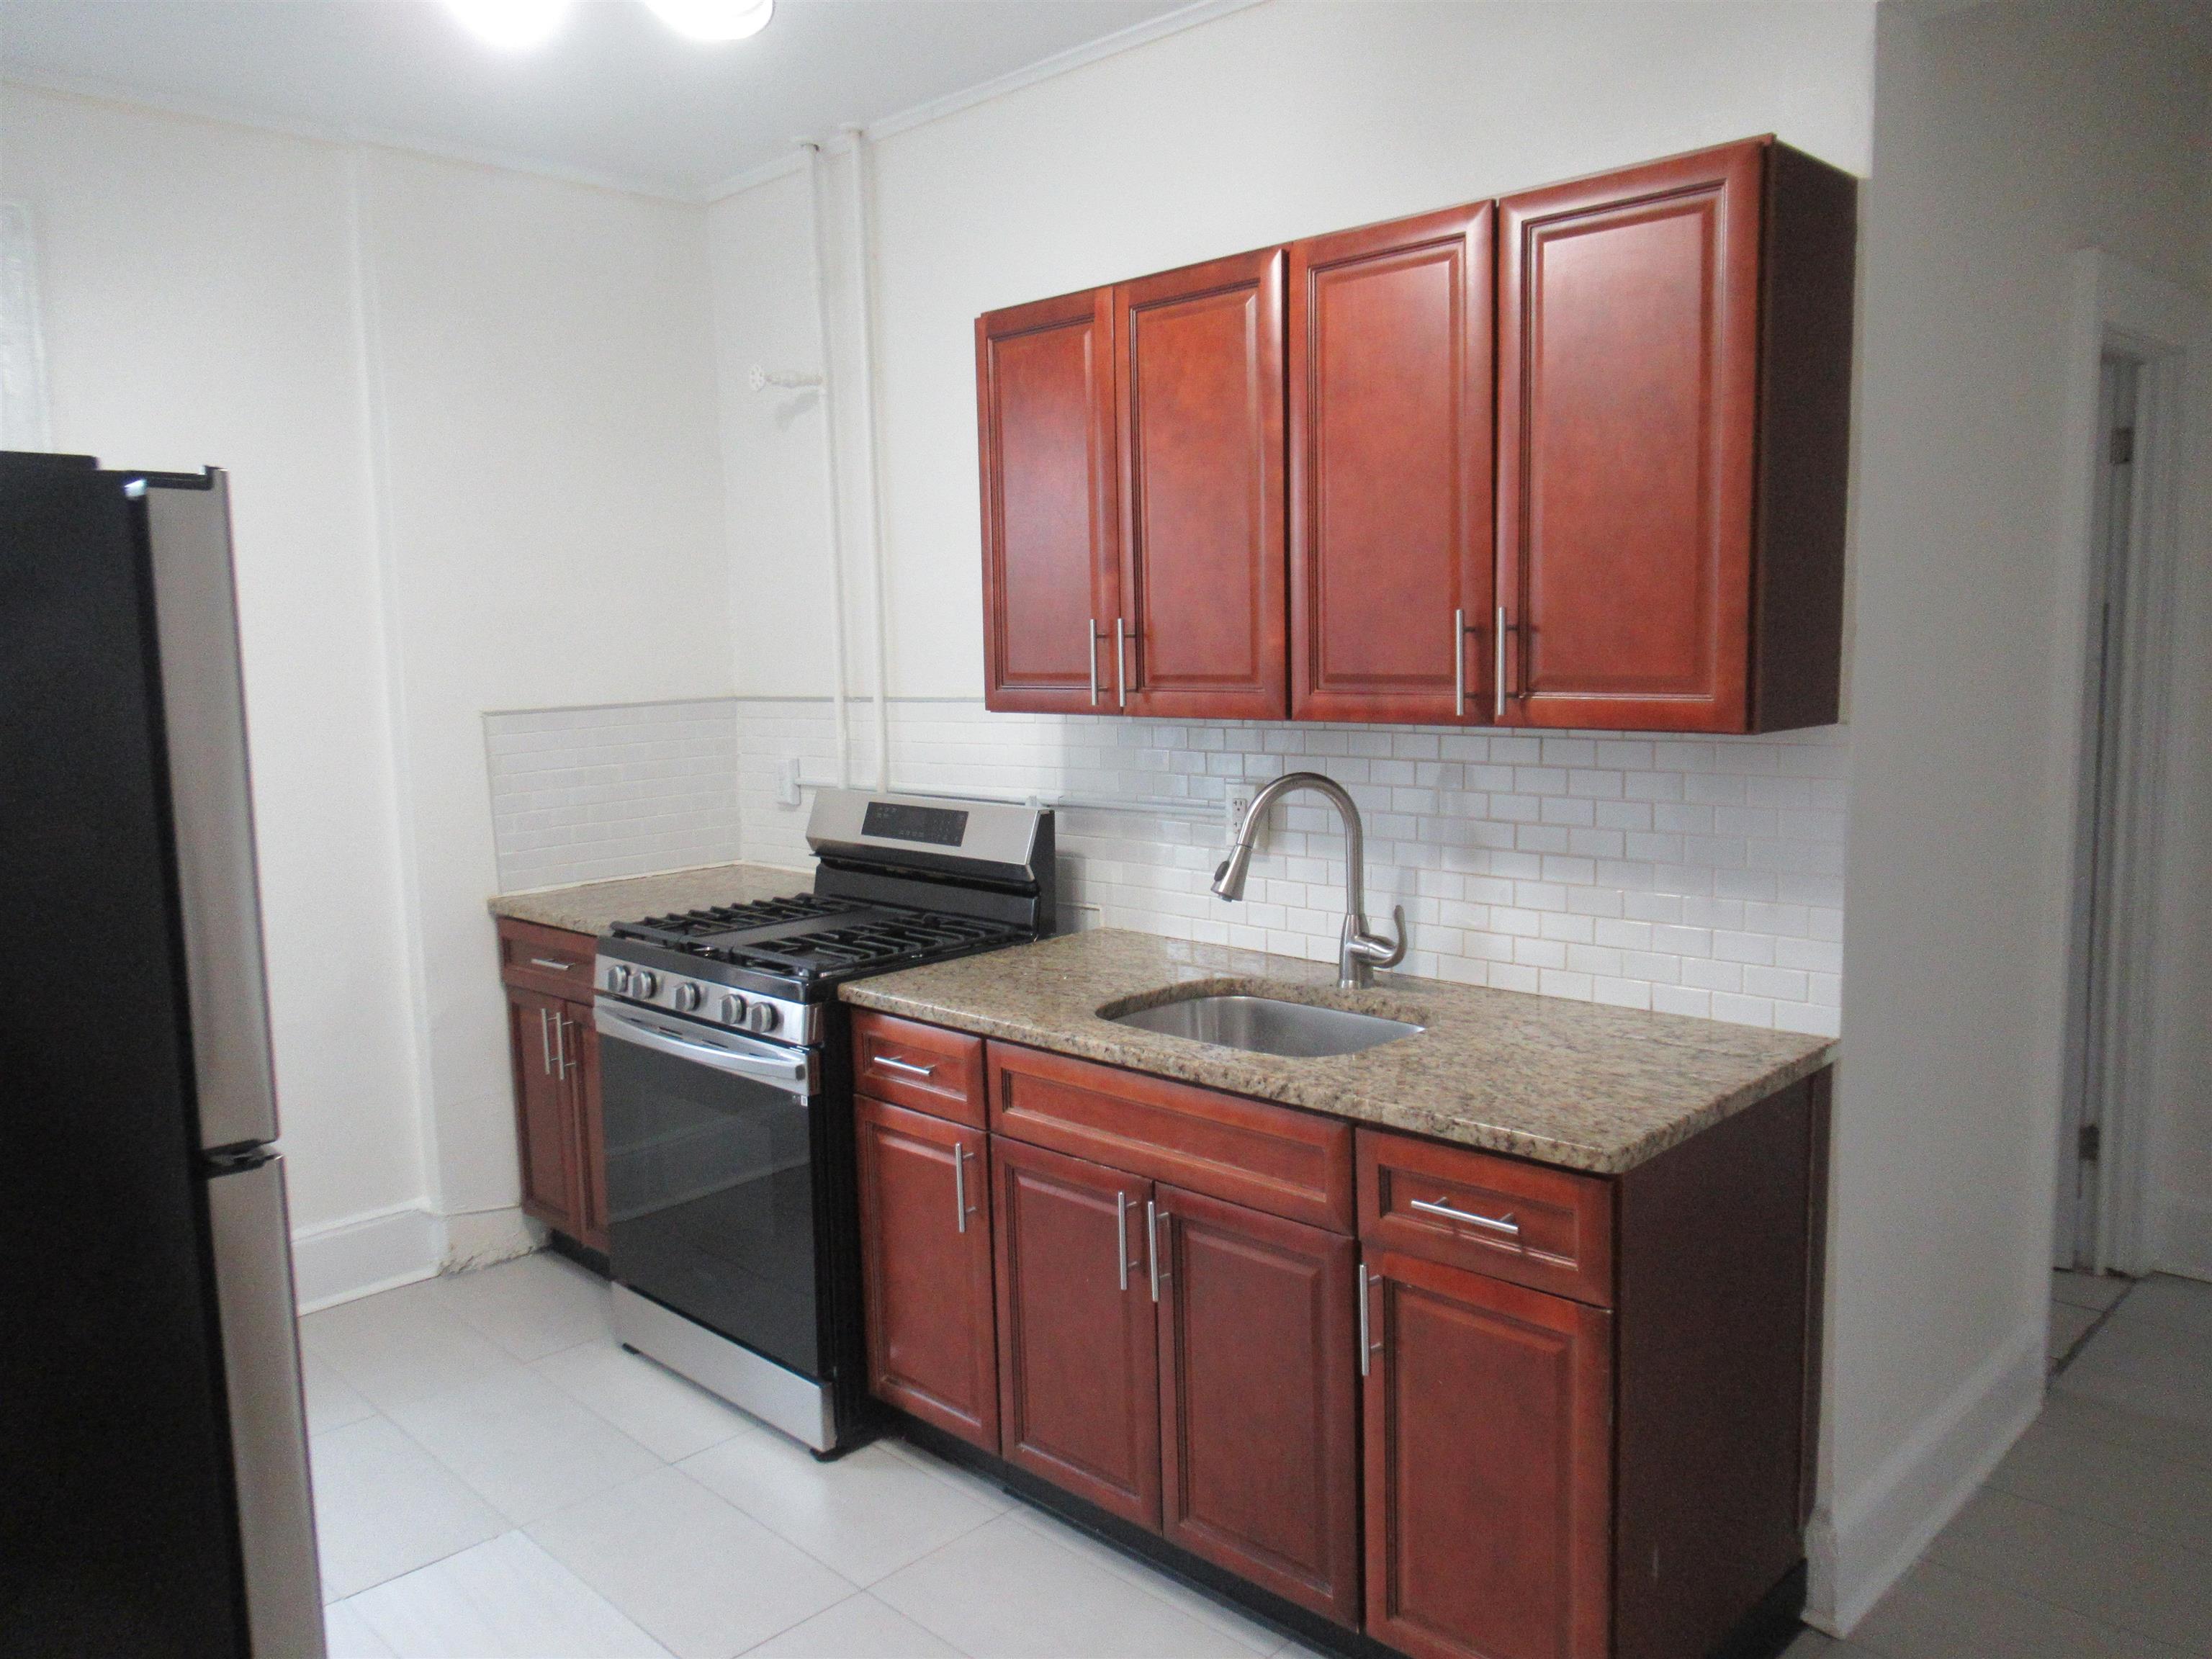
[(710, 1195)]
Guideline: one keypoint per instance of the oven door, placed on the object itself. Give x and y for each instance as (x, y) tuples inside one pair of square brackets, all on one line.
[(710, 1176)]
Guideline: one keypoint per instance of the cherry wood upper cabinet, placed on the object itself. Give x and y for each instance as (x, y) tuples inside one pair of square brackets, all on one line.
[(925, 1269), (1390, 390), (1488, 1468), (1259, 1398), (1673, 363), (1044, 389), (1199, 363), (1078, 1343)]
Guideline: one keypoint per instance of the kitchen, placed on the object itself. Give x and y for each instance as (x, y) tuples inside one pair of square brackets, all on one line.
[(657, 554)]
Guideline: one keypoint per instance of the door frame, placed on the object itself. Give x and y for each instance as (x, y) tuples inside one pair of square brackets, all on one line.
[(2118, 310)]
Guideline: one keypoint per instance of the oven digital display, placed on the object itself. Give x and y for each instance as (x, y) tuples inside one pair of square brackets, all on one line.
[(937, 826)]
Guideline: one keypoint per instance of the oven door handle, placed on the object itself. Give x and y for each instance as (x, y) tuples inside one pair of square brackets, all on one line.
[(792, 1070)]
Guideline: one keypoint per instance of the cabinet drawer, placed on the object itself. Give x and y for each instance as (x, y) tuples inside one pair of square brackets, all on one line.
[(1539, 1227), (548, 959), (924, 1068), (1287, 1163)]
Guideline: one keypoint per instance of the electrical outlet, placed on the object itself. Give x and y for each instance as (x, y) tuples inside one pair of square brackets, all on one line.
[(1234, 806), (786, 783)]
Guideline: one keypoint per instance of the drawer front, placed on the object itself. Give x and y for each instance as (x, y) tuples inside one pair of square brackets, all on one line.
[(1291, 1164), (1544, 1228), (924, 1068), (548, 959)]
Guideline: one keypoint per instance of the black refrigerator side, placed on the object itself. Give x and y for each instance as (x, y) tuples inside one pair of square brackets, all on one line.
[(155, 1499)]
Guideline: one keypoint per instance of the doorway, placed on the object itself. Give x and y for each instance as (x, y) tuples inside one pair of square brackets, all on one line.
[(2091, 1109)]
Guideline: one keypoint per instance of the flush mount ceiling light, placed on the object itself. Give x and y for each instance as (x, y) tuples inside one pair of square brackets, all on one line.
[(713, 20), (512, 24)]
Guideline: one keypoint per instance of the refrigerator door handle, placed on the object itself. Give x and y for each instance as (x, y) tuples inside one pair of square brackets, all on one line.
[(250, 1234), (211, 806)]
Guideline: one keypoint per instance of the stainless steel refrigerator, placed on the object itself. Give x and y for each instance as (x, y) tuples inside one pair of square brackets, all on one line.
[(155, 1492)]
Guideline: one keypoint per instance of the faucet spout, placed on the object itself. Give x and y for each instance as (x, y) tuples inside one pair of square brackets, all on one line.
[(1360, 952)]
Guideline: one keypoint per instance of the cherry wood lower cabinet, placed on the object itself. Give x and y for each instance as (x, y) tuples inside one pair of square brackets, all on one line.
[(554, 1053), (925, 1265), (1078, 1345), (1489, 1414), (1259, 1413)]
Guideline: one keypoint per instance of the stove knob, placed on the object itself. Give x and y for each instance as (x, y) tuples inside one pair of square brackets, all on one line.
[(734, 1010), (687, 997), (763, 1017), (618, 979), (647, 983)]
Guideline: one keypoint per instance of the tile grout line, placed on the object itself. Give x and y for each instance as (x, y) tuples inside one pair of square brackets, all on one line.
[(2058, 1367)]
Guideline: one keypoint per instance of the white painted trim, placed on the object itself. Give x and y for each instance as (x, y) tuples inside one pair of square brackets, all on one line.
[(361, 1255), (1859, 1547), (1045, 69), (2115, 306), (196, 109)]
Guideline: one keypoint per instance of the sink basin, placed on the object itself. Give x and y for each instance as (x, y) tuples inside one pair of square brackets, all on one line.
[(1266, 1026)]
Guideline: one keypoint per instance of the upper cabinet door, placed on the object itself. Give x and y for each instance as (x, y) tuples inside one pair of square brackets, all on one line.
[(1199, 357), (1044, 392), (1390, 390), (1627, 397)]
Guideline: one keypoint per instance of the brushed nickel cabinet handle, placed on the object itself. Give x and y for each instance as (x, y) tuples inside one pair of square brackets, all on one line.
[(1153, 1217), (544, 1045), (960, 1186), (906, 1065), (1090, 651), (1459, 663), (1505, 1224), (1121, 1202), (1122, 662), (1368, 1346), (557, 966), (561, 1067), (1497, 672)]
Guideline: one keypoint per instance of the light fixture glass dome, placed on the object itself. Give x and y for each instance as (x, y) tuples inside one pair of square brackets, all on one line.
[(713, 20), (512, 24)]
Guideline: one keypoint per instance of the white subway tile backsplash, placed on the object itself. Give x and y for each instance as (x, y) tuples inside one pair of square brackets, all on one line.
[(589, 795), (1641, 871)]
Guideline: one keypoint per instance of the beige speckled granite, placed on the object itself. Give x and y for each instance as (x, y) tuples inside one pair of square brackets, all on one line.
[(1568, 1083), (595, 906)]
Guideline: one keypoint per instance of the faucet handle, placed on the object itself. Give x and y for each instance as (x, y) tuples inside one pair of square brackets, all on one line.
[(1379, 952)]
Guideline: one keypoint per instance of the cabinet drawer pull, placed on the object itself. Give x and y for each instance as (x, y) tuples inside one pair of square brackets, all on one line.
[(1120, 662), (1091, 650), (547, 962), (560, 1064), (1123, 1203), (1459, 663), (906, 1065), (960, 1210), (544, 1045), (1505, 1224), (1153, 1216), (1497, 670)]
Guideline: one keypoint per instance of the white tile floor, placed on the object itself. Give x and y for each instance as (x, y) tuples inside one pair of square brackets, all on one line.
[(494, 1477), (2093, 1538)]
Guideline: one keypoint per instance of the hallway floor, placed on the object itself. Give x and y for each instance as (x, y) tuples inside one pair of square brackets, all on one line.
[(2093, 1538), (494, 1476)]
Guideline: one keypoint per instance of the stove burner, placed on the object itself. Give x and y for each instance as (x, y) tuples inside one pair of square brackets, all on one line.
[(781, 937)]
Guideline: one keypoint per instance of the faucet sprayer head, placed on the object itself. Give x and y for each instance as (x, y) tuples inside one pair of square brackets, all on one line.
[(1229, 874)]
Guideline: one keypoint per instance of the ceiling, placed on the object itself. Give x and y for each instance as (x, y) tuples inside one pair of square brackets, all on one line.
[(615, 96)]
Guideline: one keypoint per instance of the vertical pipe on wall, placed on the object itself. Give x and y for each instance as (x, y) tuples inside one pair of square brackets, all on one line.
[(864, 291), (820, 271)]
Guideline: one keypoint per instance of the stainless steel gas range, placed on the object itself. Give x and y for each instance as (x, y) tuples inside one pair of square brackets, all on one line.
[(725, 1085)]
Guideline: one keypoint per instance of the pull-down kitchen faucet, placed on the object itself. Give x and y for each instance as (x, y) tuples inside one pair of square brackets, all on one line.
[(1360, 952)]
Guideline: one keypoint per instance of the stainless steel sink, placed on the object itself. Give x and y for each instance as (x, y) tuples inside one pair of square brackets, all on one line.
[(1266, 1026)]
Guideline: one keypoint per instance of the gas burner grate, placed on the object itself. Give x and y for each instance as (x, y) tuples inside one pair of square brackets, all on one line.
[(728, 918), (833, 950)]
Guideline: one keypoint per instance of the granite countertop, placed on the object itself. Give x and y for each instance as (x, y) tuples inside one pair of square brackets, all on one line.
[(1574, 1084), (595, 906)]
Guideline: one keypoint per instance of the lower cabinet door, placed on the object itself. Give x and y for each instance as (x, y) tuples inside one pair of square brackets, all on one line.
[(1488, 1467), (925, 1269), (582, 1051), (1079, 1348), (545, 1114), (1259, 1398)]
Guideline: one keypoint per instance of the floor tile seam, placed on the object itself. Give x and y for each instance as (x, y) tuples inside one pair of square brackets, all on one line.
[(2080, 1343), (513, 1523), (2203, 1551), (1023, 1512), (2098, 1616), (947, 1474), (2112, 1444), (420, 1567), (2076, 1440), (566, 1393)]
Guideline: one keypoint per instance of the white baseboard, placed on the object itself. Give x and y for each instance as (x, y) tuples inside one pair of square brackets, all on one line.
[(2181, 1235), (482, 1238), (1863, 1545), (364, 1253)]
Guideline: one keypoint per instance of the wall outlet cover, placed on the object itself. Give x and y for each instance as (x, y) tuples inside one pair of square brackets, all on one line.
[(1234, 806), (786, 783)]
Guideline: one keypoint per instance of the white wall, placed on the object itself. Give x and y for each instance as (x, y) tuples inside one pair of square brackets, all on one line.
[(2005, 138), (471, 419), (200, 307)]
